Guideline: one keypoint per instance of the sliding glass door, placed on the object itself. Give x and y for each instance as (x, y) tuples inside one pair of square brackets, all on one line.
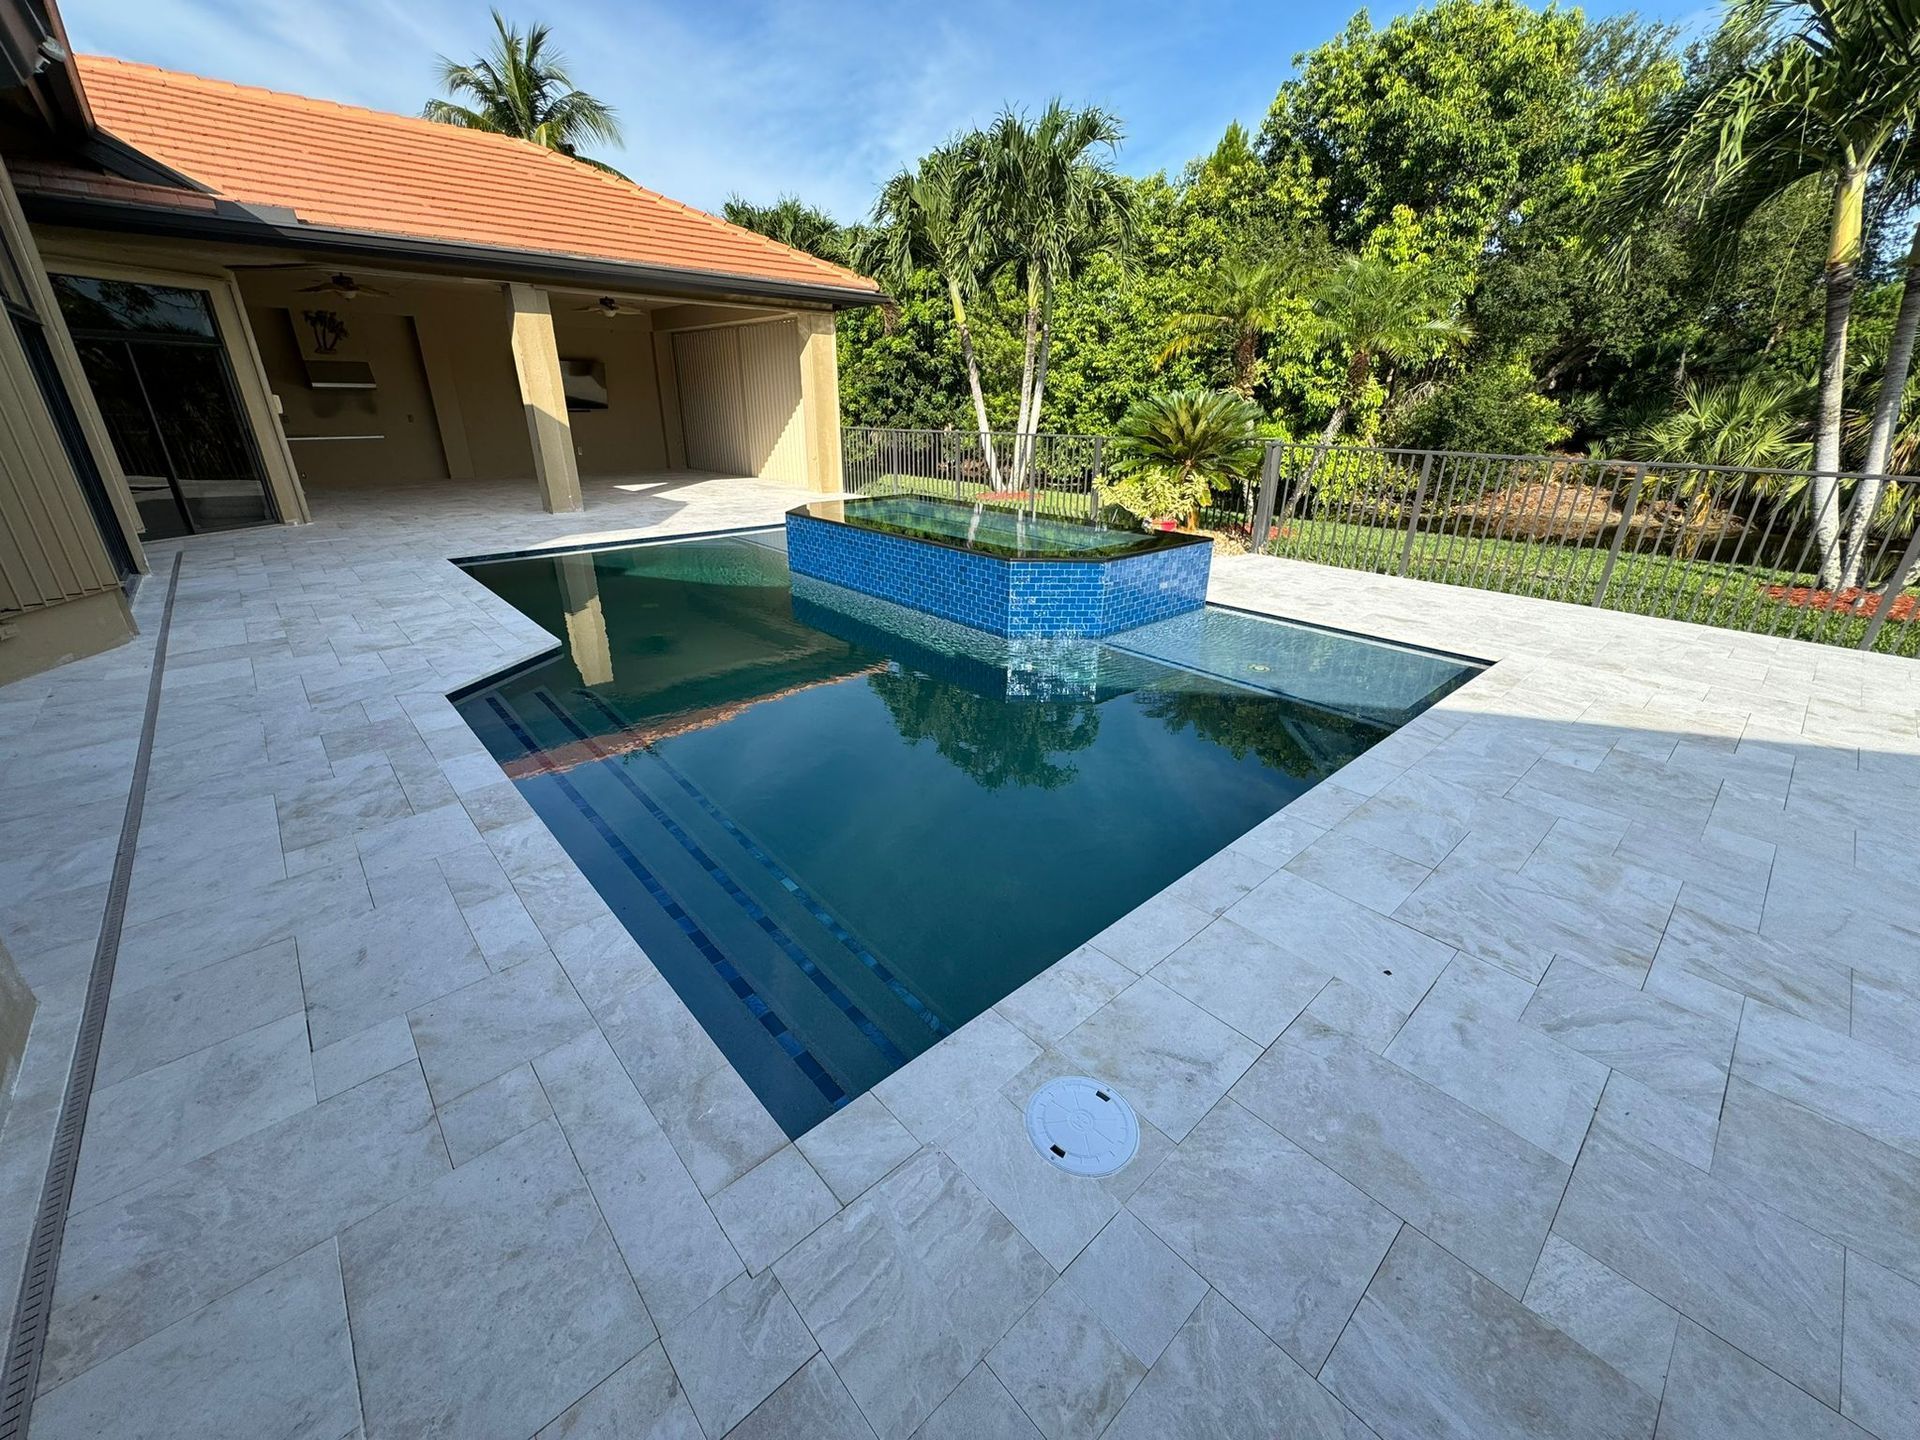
[(160, 375)]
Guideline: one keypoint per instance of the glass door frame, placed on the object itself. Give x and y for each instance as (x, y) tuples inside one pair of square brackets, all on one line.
[(129, 339)]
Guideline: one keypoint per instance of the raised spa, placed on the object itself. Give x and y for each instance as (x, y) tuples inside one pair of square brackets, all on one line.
[(997, 569)]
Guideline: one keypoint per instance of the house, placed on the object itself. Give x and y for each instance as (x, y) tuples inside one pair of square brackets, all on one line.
[(226, 299)]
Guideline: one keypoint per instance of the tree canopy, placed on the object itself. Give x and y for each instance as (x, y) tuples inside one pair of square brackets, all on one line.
[(1546, 223)]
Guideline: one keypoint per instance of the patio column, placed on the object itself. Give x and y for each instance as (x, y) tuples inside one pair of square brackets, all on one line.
[(536, 361), (820, 399)]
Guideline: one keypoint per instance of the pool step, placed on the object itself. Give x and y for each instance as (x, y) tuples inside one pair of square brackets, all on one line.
[(778, 989)]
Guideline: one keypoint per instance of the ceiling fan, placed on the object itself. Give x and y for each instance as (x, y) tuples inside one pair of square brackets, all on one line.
[(342, 285), (608, 306)]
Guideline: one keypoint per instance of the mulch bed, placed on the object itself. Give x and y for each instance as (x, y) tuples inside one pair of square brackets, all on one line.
[(1856, 600)]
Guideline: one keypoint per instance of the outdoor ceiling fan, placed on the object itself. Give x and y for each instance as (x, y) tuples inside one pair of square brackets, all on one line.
[(342, 285), (608, 306)]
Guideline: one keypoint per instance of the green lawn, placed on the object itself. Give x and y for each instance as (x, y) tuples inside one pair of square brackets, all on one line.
[(1699, 590)]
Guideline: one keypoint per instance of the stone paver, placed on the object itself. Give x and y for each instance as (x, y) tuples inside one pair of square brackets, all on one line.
[(1552, 1067)]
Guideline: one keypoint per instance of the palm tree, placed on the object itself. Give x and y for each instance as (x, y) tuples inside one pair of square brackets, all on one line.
[(1174, 449), (1369, 309), (1750, 423), (1828, 98), (1055, 205), (929, 218), (1241, 301), (1883, 450), (792, 222), (521, 88)]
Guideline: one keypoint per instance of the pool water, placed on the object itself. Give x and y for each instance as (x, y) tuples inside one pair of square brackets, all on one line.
[(1004, 531), (841, 829)]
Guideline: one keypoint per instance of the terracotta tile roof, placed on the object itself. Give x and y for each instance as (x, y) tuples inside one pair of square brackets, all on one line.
[(340, 167)]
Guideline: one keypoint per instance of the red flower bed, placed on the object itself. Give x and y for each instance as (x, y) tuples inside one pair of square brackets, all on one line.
[(1860, 602)]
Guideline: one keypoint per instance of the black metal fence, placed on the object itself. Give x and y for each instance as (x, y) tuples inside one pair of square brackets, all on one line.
[(1040, 474), (1740, 549)]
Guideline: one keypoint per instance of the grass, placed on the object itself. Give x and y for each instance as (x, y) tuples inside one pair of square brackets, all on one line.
[(1700, 590)]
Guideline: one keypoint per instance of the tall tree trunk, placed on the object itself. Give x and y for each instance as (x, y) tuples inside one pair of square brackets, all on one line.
[(1024, 422), (1843, 254), (1246, 354), (973, 383), (1886, 416), (1039, 383), (1335, 423)]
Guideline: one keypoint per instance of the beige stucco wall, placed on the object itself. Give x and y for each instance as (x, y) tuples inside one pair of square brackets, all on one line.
[(629, 436), (326, 429), (448, 403), (420, 339), (447, 398)]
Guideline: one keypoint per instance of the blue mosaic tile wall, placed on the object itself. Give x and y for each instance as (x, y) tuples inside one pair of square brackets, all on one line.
[(1004, 597)]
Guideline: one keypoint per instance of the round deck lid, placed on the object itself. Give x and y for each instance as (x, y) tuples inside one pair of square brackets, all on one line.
[(1082, 1126)]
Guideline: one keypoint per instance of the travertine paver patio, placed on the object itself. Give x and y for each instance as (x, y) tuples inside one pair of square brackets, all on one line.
[(1553, 1070)]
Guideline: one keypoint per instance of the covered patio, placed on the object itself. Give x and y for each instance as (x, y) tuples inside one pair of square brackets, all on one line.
[(354, 296)]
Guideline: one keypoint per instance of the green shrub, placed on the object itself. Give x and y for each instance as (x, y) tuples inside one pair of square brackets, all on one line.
[(1494, 408)]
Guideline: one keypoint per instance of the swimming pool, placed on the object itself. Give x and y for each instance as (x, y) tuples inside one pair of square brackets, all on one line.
[(841, 828)]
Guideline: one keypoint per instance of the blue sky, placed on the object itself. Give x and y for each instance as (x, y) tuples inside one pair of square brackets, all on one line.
[(818, 98)]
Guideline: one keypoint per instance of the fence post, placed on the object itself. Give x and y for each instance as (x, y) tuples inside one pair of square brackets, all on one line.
[(1413, 515), (1891, 590), (1263, 502), (1620, 533), (1093, 480)]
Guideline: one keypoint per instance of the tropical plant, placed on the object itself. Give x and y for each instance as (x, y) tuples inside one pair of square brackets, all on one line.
[(793, 222), (521, 87), (1047, 193), (1239, 303), (931, 217), (1370, 309), (1173, 450), (1827, 100), (1753, 423)]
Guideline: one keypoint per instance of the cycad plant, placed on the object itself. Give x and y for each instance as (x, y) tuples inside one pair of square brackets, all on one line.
[(1829, 101), (1241, 302), (1173, 450), (521, 88)]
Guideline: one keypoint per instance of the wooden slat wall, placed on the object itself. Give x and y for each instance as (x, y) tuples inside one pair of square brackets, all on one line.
[(770, 383), (50, 548), (712, 408)]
